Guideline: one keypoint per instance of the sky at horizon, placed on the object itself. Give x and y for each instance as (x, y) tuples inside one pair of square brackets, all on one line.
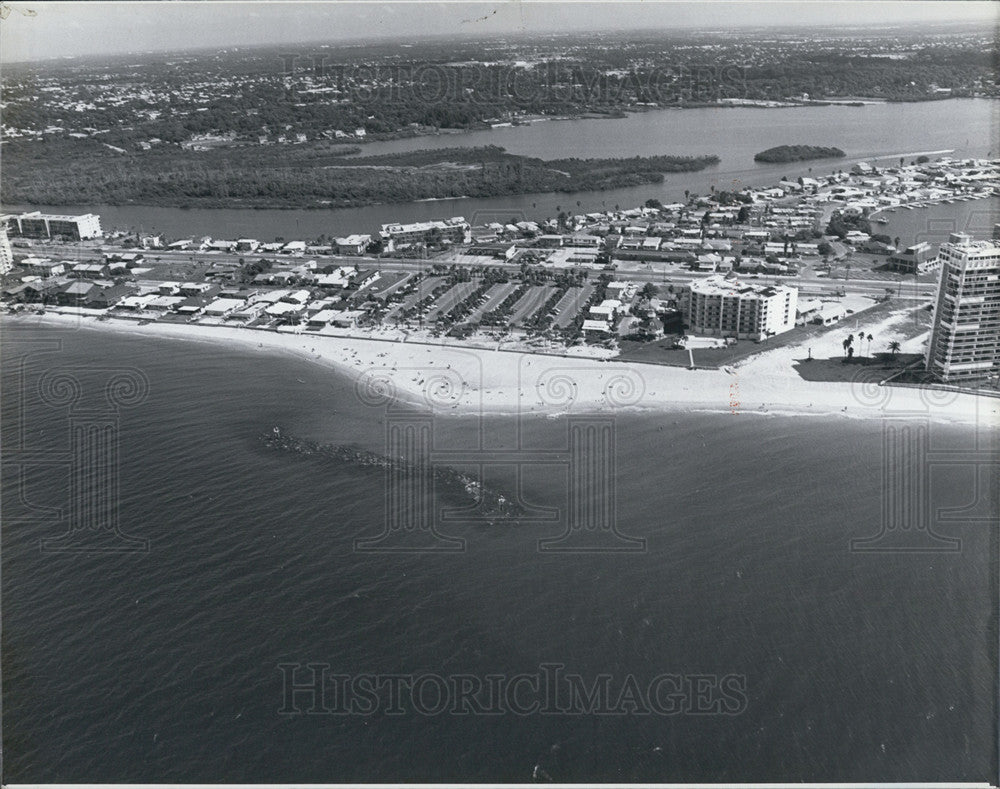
[(38, 31)]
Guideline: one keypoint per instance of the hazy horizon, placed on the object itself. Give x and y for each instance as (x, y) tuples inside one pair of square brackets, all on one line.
[(71, 30)]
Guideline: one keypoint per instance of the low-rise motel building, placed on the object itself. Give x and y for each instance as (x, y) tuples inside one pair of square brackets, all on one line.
[(965, 338), (915, 259), (719, 306), (396, 236), (355, 244)]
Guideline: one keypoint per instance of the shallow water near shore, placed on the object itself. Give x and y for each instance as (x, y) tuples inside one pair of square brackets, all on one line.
[(163, 664)]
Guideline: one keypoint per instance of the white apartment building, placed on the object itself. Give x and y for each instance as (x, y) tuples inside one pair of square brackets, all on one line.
[(6, 254), (355, 244), (39, 225), (455, 230), (723, 307), (965, 338)]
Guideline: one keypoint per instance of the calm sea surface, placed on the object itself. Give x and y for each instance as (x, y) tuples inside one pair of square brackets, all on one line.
[(163, 665), (969, 127)]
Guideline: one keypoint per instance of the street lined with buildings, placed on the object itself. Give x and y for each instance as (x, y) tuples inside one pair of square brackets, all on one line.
[(717, 270)]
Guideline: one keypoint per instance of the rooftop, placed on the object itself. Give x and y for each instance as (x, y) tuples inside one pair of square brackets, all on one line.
[(722, 286), (964, 242)]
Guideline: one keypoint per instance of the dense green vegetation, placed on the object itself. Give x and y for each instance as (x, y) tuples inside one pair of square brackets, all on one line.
[(280, 124), (84, 171), (841, 224), (433, 85), (797, 153)]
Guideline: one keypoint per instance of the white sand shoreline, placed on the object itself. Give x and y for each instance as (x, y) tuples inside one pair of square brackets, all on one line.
[(465, 381)]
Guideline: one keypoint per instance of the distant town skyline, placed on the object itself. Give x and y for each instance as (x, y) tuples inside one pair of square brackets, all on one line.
[(62, 29)]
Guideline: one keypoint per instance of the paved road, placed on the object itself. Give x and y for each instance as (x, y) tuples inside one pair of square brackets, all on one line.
[(569, 306), (531, 301), (639, 272), (494, 296), (424, 289), (450, 298)]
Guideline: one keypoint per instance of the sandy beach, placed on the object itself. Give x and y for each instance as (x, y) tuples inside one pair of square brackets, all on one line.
[(471, 381)]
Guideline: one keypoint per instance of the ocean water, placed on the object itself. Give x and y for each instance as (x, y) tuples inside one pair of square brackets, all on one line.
[(163, 664)]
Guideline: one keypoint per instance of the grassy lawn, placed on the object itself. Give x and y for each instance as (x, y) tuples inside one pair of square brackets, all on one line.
[(662, 352), (879, 366)]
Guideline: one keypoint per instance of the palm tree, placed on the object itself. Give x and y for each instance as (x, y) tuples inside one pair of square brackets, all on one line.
[(861, 340), (894, 347)]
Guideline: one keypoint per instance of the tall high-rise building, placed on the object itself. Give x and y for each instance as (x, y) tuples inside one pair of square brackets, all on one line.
[(965, 338), (6, 255)]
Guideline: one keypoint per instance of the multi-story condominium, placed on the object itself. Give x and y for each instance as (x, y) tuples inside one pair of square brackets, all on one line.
[(455, 230), (965, 338), (718, 306), (39, 225), (6, 254), (915, 259)]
